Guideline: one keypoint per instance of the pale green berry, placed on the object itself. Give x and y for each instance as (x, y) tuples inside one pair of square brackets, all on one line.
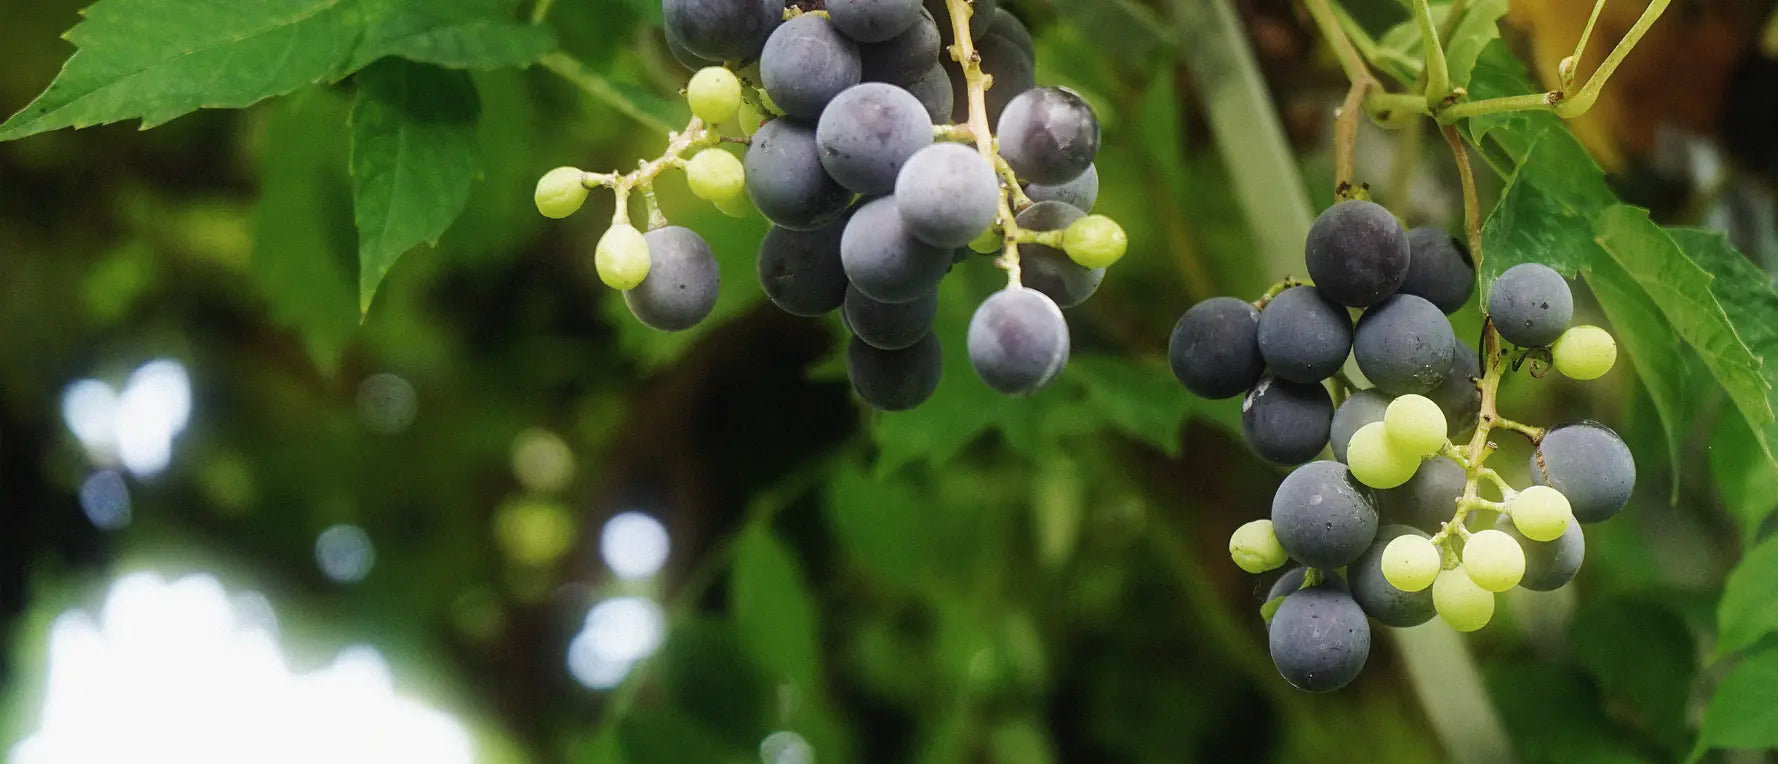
[(1415, 424), (1494, 560), (714, 94), (715, 175), (1584, 352), (1255, 547), (1459, 602), (1094, 241), (1541, 513), (621, 257), (560, 192), (1376, 461), (989, 242), (737, 206), (1410, 562)]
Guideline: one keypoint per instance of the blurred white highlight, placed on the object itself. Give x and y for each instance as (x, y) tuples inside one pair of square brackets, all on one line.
[(619, 632), (134, 428), (634, 545)]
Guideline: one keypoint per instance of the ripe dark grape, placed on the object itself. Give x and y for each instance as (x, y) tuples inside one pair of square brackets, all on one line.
[(1590, 465), (867, 132), (1286, 422), (1323, 516), (1530, 305), (722, 30), (1081, 192), (889, 325), (1292, 580), (682, 281), (806, 63), (1319, 639), (894, 380), (1049, 270), (978, 21), (1303, 336), (785, 179), (1439, 269), (1013, 74), (1048, 135), (886, 262), (1458, 395), (691, 61), (800, 270), (933, 89), (1380, 599), (1429, 499), (1003, 24), (1404, 345), (905, 57), (1362, 408), (947, 194), (1549, 565), (1018, 341), (1214, 350), (1357, 253), (873, 20)]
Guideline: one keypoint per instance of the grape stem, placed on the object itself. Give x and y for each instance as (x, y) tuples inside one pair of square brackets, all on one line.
[(1274, 290), (1346, 124), (977, 82), (694, 136)]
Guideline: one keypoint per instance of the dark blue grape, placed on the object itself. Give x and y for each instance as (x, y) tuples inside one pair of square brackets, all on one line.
[(1304, 336), (1048, 135), (1429, 499), (1362, 408), (1458, 395), (1003, 24), (1286, 422), (979, 21), (806, 63), (1291, 580), (1357, 253), (894, 380), (886, 262), (1214, 350), (1590, 465), (1018, 341), (933, 89), (947, 194), (682, 280), (1319, 639), (1080, 193), (1012, 72), (1049, 270), (1530, 305), (1439, 269), (868, 132), (1549, 565), (691, 61), (1404, 345), (889, 325), (873, 20), (785, 179), (905, 57), (1323, 516), (1379, 598), (722, 30), (800, 270)]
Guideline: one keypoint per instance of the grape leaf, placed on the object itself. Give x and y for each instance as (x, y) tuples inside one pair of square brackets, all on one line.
[(1747, 297), (773, 608), (1479, 27), (1144, 402), (1749, 607), (1544, 215), (462, 34), (300, 262), (414, 154), (1743, 714), (1647, 338), (1744, 477)]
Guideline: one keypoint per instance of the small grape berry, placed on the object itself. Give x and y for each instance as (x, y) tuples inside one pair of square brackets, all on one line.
[(1584, 352), (1094, 241), (1377, 461), (621, 257), (1460, 603), (560, 192), (714, 94), (1494, 560), (1255, 548), (1410, 562), (715, 175)]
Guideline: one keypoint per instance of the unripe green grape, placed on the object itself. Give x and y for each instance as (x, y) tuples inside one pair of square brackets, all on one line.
[(1459, 602), (1411, 562), (737, 206), (749, 118), (1094, 241), (560, 192), (714, 94), (1494, 560), (1376, 461), (1541, 513), (989, 242), (1255, 547), (1415, 424), (621, 257), (715, 175), (1584, 352)]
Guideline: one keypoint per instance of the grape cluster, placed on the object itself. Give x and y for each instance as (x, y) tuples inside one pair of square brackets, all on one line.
[(878, 177), (1394, 528)]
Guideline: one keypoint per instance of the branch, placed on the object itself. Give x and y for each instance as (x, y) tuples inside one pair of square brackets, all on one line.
[(977, 83)]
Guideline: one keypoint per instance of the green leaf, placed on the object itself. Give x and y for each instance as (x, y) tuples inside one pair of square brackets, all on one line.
[(1749, 607), (773, 608), (1662, 365), (302, 263), (462, 34), (159, 59), (1142, 401), (414, 155), (665, 736), (1743, 714), (1479, 27), (1744, 478), (1545, 214), (1747, 297)]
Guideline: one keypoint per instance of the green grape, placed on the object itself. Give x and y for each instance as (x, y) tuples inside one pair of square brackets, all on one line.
[(714, 94), (621, 257), (1094, 241), (1541, 513), (989, 242), (1410, 562), (737, 206), (1376, 461), (749, 118), (1494, 560), (715, 175), (1255, 547), (1459, 602), (1584, 352), (560, 192), (1415, 424)]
